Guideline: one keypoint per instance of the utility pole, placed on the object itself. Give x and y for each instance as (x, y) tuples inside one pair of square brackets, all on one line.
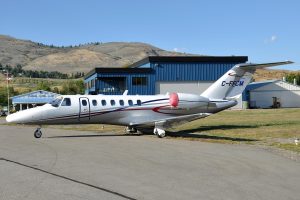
[(7, 79)]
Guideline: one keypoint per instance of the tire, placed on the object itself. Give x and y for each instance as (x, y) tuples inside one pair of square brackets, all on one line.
[(37, 133)]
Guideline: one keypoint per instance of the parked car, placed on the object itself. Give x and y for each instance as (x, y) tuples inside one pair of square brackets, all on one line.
[(3, 111)]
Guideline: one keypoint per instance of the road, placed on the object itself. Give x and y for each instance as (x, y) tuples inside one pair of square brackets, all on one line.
[(67, 164)]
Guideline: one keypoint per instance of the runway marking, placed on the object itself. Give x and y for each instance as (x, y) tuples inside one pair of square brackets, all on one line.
[(70, 179)]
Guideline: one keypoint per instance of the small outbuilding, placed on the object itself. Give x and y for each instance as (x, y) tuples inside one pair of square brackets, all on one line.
[(272, 94), (32, 99)]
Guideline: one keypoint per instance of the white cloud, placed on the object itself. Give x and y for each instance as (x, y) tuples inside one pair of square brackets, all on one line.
[(178, 49), (271, 39)]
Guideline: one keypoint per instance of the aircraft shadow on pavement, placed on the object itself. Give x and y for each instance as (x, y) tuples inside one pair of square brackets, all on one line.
[(92, 135), (200, 133)]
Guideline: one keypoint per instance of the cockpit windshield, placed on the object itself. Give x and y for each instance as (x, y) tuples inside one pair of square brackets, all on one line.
[(56, 102)]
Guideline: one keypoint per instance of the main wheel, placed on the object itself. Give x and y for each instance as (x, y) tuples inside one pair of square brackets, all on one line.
[(37, 133), (159, 132), (161, 135)]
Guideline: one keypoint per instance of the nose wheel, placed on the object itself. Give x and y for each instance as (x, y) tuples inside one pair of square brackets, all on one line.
[(38, 133)]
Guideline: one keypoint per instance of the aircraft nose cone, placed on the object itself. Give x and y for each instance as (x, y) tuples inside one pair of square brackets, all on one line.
[(10, 118), (19, 117)]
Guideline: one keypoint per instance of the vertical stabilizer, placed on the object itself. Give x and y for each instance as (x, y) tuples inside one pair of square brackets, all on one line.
[(232, 84)]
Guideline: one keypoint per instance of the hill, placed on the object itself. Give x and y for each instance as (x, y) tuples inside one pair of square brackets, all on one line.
[(81, 58)]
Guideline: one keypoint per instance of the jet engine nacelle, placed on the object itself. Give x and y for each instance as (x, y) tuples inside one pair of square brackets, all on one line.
[(182, 100)]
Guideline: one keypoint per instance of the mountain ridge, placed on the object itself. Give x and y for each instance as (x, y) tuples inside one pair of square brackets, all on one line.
[(81, 58), (85, 57)]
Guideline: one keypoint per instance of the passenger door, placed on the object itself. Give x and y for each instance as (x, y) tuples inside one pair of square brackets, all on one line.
[(84, 109)]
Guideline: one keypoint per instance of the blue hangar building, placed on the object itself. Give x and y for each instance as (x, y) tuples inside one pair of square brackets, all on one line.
[(161, 74)]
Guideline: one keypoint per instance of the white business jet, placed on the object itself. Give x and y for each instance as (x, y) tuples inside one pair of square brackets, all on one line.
[(142, 112)]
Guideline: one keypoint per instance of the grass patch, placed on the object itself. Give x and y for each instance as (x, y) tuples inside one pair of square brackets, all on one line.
[(245, 126), (290, 146)]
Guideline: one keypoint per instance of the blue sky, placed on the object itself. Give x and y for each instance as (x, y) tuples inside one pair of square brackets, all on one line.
[(264, 30)]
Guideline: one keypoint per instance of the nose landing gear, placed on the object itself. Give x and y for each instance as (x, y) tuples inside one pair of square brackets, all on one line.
[(38, 133)]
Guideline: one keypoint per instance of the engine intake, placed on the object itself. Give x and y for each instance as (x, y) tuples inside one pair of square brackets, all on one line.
[(181, 100), (174, 99)]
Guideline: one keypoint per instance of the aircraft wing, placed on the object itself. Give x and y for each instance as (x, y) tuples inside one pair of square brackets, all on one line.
[(171, 121)]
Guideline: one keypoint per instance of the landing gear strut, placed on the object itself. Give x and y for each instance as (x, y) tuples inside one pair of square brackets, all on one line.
[(159, 132), (38, 133), (159, 129), (130, 130)]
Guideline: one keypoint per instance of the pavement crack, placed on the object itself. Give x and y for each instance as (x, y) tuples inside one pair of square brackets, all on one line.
[(70, 179)]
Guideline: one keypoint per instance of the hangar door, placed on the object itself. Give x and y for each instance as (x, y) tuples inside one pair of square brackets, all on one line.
[(193, 87)]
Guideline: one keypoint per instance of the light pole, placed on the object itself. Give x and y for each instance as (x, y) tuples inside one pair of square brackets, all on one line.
[(7, 87), (8, 112)]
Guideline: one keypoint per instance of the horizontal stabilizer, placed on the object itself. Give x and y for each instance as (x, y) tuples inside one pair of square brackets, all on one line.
[(249, 66)]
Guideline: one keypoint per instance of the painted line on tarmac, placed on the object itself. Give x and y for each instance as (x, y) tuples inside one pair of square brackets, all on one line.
[(69, 179)]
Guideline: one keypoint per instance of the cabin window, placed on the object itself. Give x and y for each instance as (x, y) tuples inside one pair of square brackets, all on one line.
[(84, 102), (139, 80), (94, 102), (103, 102), (139, 102), (121, 102), (66, 102), (112, 102), (130, 102)]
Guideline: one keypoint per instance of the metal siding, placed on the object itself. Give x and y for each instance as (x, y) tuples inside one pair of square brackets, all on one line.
[(204, 71), (192, 87), (191, 71)]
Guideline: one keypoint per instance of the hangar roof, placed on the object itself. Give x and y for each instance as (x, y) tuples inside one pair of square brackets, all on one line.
[(223, 59), (255, 85), (136, 67), (118, 70), (35, 97)]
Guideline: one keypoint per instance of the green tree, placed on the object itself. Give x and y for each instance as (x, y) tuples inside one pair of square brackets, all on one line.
[(43, 85), (3, 95), (290, 78), (73, 87), (55, 90)]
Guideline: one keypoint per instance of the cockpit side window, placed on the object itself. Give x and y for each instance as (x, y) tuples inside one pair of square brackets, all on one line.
[(66, 102), (56, 102)]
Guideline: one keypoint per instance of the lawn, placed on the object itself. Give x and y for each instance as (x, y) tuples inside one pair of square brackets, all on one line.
[(272, 127)]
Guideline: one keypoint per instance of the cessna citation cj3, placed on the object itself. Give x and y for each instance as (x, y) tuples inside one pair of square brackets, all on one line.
[(142, 112)]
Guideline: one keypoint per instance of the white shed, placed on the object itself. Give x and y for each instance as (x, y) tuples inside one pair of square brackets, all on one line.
[(274, 94)]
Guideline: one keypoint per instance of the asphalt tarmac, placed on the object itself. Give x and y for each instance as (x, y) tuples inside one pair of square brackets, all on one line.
[(85, 165)]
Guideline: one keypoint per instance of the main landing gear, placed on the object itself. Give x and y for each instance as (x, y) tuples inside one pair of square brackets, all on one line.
[(130, 130), (159, 132), (38, 133)]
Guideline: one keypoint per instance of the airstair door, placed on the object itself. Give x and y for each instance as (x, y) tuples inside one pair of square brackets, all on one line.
[(84, 109)]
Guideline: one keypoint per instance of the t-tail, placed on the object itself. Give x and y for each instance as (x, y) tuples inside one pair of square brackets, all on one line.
[(232, 84)]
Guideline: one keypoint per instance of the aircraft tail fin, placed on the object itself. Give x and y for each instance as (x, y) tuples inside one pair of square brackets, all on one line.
[(232, 84)]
